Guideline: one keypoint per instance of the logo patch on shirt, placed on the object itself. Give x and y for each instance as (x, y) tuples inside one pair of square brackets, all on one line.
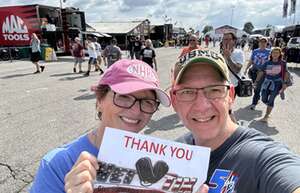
[(273, 69), (223, 181)]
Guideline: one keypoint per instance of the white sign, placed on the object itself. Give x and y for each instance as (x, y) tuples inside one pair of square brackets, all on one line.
[(135, 163)]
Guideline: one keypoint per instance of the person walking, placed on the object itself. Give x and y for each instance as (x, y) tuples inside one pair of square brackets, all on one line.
[(148, 54), (137, 47), (235, 59), (258, 58), (35, 45), (92, 55), (130, 47), (111, 53), (99, 56), (193, 44), (207, 40), (78, 54), (275, 81)]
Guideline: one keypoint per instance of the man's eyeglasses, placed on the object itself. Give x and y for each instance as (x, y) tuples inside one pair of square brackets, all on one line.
[(192, 40), (148, 106), (210, 92)]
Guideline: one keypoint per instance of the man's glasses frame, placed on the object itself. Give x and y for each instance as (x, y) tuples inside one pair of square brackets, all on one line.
[(210, 92)]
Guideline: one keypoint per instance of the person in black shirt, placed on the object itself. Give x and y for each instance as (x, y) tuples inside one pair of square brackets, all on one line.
[(148, 54), (137, 47), (255, 43), (130, 47)]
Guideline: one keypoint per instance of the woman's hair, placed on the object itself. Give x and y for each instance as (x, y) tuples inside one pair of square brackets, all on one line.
[(276, 49), (101, 91), (233, 36), (35, 36), (148, 42)]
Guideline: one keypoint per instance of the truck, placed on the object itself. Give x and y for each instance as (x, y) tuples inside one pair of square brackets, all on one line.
[(55, 26), (291, 35)]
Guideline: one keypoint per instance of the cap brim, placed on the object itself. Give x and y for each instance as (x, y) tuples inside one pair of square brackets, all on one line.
[(134, 86), (200, 60)]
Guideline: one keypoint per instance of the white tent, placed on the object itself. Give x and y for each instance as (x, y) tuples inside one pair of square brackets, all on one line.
[(255, 36), (239, 33)]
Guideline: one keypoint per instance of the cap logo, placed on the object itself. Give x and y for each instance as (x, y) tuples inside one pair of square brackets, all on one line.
[(142, 71), (199, 53)]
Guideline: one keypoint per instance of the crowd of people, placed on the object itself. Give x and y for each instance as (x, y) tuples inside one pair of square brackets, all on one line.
[(202, 94), (111, 53)]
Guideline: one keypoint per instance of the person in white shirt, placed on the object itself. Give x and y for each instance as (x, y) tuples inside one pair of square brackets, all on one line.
[(234, 58), (99, 56), (92, 55)]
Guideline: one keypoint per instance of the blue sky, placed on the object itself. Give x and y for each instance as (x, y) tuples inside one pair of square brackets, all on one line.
[(185, 13)]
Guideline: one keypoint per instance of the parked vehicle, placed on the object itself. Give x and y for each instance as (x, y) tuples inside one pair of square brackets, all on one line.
[(4, 54), (291, 35), (294, 42), (291, 31), (9, 54)]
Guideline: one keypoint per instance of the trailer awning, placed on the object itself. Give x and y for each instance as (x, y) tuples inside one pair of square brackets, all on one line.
[(97, 34), (106, 35)]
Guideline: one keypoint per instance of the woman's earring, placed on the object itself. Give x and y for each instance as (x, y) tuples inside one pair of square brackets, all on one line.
[(99, 115)]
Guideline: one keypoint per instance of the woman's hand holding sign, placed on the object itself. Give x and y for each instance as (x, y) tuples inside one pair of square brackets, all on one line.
[(81, 176)]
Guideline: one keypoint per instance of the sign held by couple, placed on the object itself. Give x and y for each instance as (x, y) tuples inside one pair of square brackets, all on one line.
[(136, 163)]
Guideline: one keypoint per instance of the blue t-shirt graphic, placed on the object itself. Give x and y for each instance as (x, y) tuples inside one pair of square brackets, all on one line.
[(259, 57), (274, 70)]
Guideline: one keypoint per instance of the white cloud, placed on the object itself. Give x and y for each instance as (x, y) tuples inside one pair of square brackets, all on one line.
[(192, 13)]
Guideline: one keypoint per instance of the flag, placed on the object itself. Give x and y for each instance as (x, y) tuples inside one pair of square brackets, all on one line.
[(285, 8), (293, 7)]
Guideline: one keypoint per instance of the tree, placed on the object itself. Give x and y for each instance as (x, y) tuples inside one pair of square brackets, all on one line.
[(207, 28), (248, 27)]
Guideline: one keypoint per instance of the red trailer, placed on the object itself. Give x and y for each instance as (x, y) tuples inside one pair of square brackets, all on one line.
[(53, 25)]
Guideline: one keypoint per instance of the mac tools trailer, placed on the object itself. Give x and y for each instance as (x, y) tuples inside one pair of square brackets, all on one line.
[(54, 26)]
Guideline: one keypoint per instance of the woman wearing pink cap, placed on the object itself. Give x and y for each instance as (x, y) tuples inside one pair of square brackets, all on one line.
[(127, 96)]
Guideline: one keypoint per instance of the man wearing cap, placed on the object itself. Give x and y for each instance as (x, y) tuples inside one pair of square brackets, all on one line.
[(242, 160), (258, 57), (78, 53)]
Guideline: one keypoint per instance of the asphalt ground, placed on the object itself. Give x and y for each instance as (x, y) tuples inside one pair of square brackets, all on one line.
[(39, 112)]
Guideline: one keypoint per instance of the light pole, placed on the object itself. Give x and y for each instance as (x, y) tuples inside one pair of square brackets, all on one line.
[(166, 19), (232, 12)]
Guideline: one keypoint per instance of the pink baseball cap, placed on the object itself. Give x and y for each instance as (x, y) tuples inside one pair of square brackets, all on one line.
[(127, 76)]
